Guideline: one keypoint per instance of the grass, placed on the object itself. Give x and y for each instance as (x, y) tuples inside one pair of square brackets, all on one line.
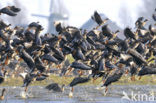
[(70, 58), (125, 80)]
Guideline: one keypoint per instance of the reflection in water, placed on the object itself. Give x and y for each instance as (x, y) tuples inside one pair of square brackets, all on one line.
[(82, 94)]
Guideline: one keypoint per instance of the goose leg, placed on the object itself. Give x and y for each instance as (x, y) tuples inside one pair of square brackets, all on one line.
[(133, 78), (69, 70), (94, 79), (106, 90), (26, 88), (139, 77)]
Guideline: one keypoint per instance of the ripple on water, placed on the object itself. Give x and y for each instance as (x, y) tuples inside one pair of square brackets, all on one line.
[(82, 94)]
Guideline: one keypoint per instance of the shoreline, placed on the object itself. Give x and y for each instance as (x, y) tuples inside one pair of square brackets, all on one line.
[(125, 80)]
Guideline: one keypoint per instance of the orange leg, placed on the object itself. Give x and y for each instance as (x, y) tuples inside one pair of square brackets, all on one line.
[(6, 60), (106, 89), (72, 89), (133, 78), (26, 88), (68, 71), (59, 66), (139, 77), (126, 72), (80, 72)]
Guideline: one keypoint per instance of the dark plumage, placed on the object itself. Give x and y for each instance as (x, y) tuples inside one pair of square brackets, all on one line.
[(38, 41), (8, 11), (78, 80), (26, 57), (3, 25), (35, 25), (28, 79), (147, 70), (106, 31), (14, 9), (138, 58), (3, 36), (101, 64), (49, 58), (78, 55), (1, 79), (39, 64), (97, 18), (79, 65), (96, 52), (55, 87), (58, 27), (113, 78), (129, 34), (154, 17)]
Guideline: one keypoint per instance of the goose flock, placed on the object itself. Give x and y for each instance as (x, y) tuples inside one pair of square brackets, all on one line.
[(98, 53)]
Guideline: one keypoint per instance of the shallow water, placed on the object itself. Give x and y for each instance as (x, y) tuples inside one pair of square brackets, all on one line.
[(82, 94)]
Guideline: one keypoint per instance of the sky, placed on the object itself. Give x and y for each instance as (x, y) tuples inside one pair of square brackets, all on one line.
[(81, 10), (123, 12)]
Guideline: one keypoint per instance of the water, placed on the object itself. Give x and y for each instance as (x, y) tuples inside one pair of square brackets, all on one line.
[(82, 94)]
